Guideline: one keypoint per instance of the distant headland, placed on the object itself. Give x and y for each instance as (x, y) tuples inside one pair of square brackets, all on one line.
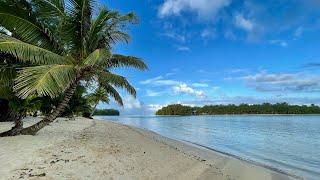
[(106, 112), (265, 108)]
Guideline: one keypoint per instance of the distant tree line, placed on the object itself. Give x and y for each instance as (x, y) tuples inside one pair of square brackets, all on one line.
[(265, 108), (106, 112)]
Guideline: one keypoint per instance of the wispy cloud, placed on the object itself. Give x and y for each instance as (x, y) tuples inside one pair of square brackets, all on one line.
[(208, 33), (205, 9), (237, 70), (241, 22), (200, 85), (179, 37), (279, 42), (159, 81), (152, 93), (283, 82), (248, 20), (298, 32)]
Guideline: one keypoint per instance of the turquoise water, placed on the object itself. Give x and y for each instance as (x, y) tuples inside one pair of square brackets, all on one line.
[(288, 143)]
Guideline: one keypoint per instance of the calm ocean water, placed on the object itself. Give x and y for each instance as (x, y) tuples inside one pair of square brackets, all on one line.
[(288, 143)]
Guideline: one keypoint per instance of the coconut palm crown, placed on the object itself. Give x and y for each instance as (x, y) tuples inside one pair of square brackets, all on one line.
[(65, 41), (99, 95)]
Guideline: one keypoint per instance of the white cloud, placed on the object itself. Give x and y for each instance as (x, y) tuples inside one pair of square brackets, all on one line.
[(205, 9), (176, 86), (181, 37), (155, 107), (184, 88), (243, 23), (200, 85), (238, 70), (152, 93), (159, 81), (130, 102)]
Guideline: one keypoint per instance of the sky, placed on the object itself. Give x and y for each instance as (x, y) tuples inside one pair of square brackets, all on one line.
[(221, 52)]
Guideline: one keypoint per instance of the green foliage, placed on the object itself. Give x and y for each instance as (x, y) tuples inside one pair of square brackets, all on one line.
[(45, 80), (266, 108), (99, 95), (78, 104), (176, 110), (28, 52), (18, 18), (106, 112), (61, 43)]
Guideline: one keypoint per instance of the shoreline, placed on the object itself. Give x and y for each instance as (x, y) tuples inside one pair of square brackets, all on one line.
[(98, 149), (270, 167), (222, 153), (234, 115)]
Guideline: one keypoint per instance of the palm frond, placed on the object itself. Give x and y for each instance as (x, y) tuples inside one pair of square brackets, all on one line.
[(50, 8), (19, 19), (96, 29), (113, 93), (107, 29), (117, 81), (27, 52), (95, 58), (118, 36), (118, 60), (98, 95), (47, 80), (77, 24), (5, 91), (7, 73)]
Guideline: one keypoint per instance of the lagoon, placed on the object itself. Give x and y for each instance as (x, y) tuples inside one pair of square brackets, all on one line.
[(290, 143)]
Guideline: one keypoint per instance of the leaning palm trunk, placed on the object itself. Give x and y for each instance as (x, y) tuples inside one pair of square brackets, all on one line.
[(32, 130), (94, 109), (18, 124)]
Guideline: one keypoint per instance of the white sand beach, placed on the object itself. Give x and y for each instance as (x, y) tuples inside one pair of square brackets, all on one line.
[(92, 149)]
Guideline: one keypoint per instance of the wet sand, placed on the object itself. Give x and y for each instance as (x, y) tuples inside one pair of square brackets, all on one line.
[(93, 149)]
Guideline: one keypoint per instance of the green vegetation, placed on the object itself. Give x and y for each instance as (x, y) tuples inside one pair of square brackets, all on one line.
[(266, 108), (106, 112), (98, 96), (51, 50)]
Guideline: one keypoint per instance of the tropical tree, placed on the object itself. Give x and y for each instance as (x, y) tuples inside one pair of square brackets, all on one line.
[(99, 95), (9, 110), (66, 45)]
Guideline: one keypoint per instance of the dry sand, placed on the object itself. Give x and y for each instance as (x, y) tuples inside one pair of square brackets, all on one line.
[(91, 149)]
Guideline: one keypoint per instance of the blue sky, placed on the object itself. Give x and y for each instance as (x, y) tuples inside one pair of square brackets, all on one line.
[(222, 51)]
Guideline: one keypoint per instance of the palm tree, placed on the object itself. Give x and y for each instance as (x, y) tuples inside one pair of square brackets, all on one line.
[(99, 95), (10, 112), (66, 45)]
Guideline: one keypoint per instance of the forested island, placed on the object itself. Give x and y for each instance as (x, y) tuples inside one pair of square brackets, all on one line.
[(265, 108), (106, 112)]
